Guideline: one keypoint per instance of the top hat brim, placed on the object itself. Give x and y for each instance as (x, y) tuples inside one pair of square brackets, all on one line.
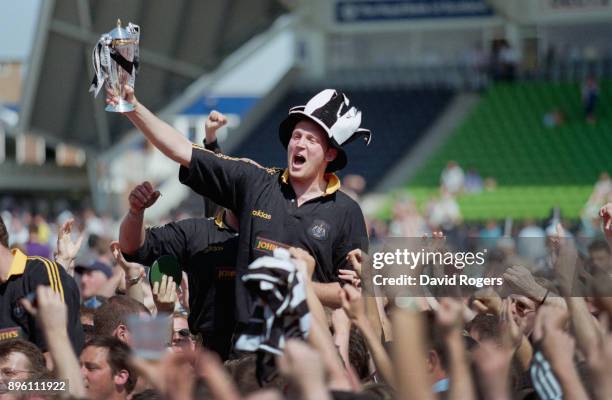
[(285, 131)]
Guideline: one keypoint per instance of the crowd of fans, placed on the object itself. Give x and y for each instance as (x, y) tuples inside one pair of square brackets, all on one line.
[(539, 341), (544, 334)]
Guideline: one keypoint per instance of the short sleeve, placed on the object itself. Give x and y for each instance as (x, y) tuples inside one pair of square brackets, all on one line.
[(48, 273), (354, 235), (177, 239), (221, 178)]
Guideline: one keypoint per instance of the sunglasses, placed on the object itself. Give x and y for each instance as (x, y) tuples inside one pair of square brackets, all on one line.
[(182, 332)]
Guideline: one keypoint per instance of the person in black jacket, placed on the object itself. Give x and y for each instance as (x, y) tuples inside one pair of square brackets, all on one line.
[(300, 206), (20, 275)]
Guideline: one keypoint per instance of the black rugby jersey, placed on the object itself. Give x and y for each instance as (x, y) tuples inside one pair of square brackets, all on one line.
[(328, 227), (206, 250), (25, 274)]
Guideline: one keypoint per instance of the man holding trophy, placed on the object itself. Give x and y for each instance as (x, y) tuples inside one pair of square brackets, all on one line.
[(300, 206)]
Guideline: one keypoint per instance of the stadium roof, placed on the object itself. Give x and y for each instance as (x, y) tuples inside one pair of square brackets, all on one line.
[(180, 41)]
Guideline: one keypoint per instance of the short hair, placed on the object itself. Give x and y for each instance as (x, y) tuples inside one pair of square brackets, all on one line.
[(599, 245), (486, 325), (87, 311), (29, 350), (434, 339), (359, 357), (115, 312), (243, 372), (118, 357), (148, 394), (180, 314), (4, 236)]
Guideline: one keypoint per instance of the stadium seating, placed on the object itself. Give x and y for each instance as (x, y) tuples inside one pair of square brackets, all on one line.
[(505, 138), (396, 116), (535, 167)]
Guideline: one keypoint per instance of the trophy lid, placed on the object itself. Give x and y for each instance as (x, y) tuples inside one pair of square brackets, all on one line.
[(120, 33)]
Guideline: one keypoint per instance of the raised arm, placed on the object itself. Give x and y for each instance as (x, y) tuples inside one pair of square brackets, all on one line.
[(132, 233), (606, 214), (355, 308), (161, 134), (448, 316), (52, 316), (67, 250)]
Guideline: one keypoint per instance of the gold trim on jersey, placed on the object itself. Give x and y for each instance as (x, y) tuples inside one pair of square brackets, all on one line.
[(54, 275), (333, 182), (270, 171), (18, 264)]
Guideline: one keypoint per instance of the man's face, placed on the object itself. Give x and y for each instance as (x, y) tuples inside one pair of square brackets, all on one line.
[(601, 259), (91, 283), (181, 339), (308, 152), (15, 367), (96, 372)]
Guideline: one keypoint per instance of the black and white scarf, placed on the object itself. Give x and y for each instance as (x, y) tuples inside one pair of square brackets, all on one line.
[(281, 311)]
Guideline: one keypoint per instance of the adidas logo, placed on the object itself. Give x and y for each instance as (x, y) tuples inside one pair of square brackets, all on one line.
[(260, 214)]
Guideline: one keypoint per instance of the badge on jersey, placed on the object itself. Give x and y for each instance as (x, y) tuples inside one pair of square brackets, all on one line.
[(319, 229)]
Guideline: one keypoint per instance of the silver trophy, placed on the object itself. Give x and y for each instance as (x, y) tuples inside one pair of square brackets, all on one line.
[(115, 61)]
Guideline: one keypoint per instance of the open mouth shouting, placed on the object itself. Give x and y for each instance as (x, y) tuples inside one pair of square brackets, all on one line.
[(298, 161)]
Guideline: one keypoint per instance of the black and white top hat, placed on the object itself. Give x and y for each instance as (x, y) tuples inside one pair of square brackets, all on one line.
[(332, 111)]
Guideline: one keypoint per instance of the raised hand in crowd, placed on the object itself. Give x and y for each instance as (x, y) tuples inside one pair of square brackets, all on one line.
[(558, 348), (142, 196), (214, 122), (349, 276), (511, 332), (565, 260), (409, 352), (133, 271), (115, 284), (132, 232), (493, 366), (449, 317), (304, 367), (305, 262), (173, 375), (341, 326), (134, 277), (51, 314), (352, 276), (600, 359), (487, 301), (512, 328), (550, 316), (183, 292), (164, 294), (67, 249), (605, 213), (355, 308), (210, 369)]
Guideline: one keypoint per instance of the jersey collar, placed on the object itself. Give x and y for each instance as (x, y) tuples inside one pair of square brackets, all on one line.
[(18, 264), (219, 219), (333, 182)]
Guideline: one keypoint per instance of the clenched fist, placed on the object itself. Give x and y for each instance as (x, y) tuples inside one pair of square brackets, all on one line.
[(606, 214), (143, 196), (214, 121)]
